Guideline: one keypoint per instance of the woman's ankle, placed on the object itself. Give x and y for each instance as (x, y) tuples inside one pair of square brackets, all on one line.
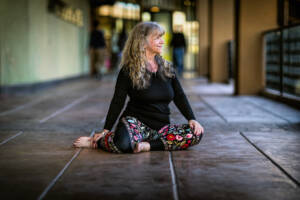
[(147, 146)]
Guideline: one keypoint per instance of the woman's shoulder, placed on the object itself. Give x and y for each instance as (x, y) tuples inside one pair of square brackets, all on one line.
[(124, 71), (124, 74)]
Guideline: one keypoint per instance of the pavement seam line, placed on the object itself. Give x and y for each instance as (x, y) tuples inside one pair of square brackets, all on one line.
[(174, 184), (272, 161), (67, 107), (52, 183), (12, 137), (266, 110), (214, 110)]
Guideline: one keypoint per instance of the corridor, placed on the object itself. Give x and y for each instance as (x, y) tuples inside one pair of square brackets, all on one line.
[(250, 148)]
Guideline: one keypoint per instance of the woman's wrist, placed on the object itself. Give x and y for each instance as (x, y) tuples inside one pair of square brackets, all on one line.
[(104, 132)]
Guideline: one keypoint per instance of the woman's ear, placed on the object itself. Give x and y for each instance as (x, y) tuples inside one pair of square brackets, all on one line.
[(145, 45), (146, 41)]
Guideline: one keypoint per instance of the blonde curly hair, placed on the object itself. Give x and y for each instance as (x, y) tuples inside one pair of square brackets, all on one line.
[(134, 55)]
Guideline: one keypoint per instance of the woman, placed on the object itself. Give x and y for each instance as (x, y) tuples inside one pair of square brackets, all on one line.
[(151, 84)]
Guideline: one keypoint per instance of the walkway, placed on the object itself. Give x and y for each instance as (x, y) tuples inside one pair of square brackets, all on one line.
[(250, 148)]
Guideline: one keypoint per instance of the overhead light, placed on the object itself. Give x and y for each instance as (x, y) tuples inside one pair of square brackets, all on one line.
[(104, 10), (146, 16), (179, 20), (154, 9)]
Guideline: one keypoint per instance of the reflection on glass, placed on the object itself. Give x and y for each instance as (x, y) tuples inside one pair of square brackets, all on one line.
[(289, 70), (291, 61)]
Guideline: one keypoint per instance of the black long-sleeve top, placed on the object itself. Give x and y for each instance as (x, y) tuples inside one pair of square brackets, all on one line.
[(150, 105)]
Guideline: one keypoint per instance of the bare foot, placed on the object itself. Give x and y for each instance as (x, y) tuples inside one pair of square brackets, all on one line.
[(141, 146), (85, 142)]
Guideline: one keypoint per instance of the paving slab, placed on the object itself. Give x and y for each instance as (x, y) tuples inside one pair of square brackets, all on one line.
[(233, 109), (282, 147), (86, 115), (204, 88), (41, 110), (225, 166), (282, 110), (29, 118), (100, 175), (29, 162), (11, 102), (88, 110), (46, 99)]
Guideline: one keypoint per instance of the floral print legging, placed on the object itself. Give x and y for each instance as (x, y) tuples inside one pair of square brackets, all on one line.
[(173, 136)]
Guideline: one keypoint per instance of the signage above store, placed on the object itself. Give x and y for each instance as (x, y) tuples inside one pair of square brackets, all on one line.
[(121, 10), (66, 12)]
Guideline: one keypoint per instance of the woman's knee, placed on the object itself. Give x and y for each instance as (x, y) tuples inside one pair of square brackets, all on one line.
[(121, 139)]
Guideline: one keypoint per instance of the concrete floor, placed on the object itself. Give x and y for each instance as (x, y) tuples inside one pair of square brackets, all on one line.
[(250, 148)]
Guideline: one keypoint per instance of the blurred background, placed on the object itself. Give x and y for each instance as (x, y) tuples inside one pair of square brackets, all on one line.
[(253, 45)]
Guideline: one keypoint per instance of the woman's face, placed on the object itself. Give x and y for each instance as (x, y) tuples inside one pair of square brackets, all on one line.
[(155, 43)]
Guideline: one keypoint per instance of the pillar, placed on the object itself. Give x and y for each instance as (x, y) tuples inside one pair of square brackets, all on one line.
[(221, 32), (202, 15), (253, 18)]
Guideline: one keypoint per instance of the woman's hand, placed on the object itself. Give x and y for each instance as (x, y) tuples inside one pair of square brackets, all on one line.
[(97, 137), (196, 126)]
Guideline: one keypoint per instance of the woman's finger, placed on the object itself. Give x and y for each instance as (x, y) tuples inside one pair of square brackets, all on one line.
[(195, 130), (97, 139), (94, 144), (94, 140), (95, 136), (192, 125), (198, 128)]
